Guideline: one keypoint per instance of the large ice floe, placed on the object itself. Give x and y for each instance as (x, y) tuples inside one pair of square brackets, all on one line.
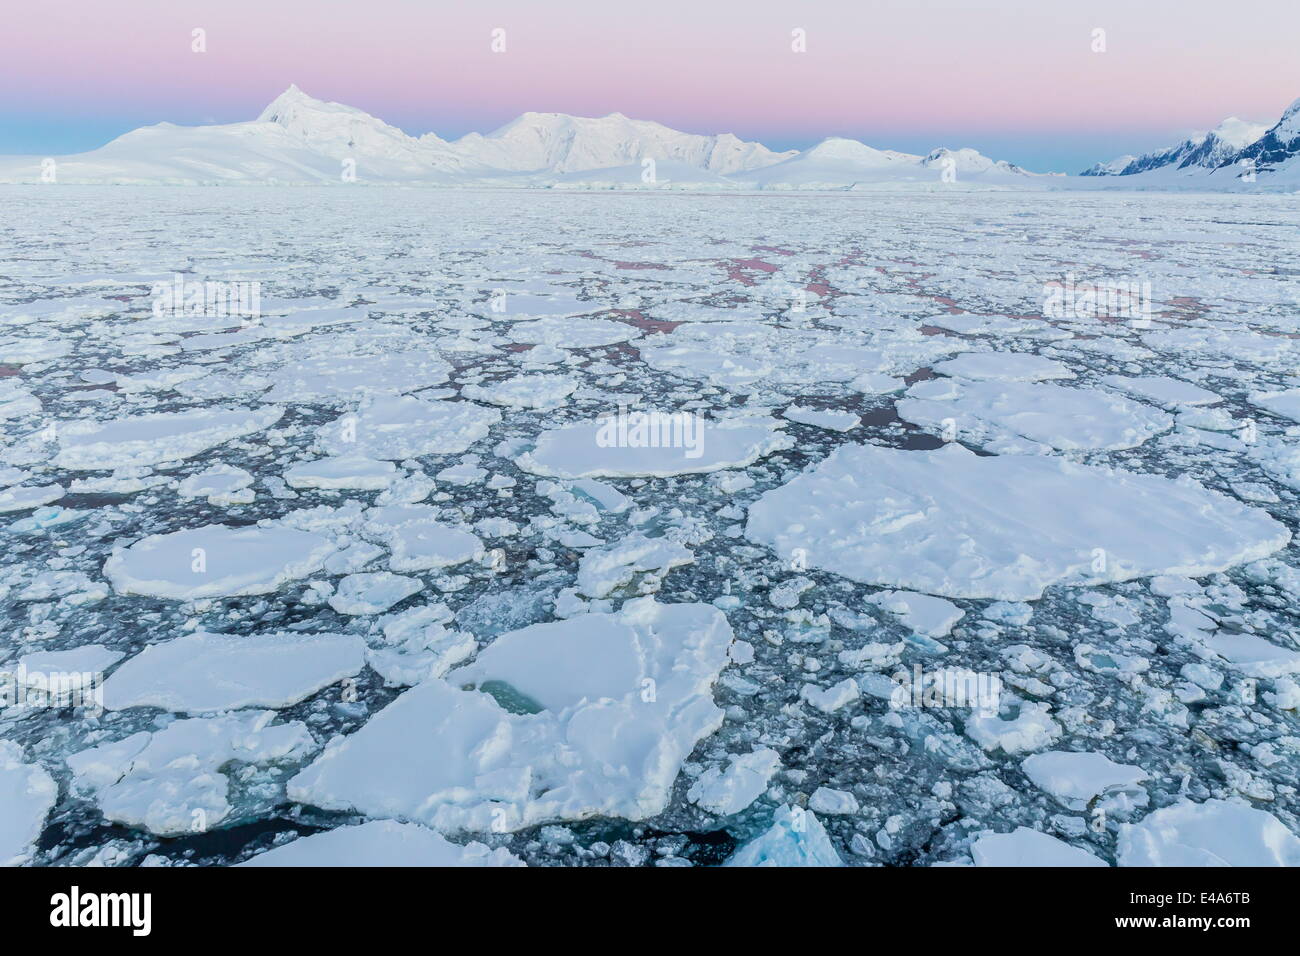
[(557, 721), (382, 843), (216, 561), (201, 673), (1064, 418), (920, 520), (149, 439), (671, 443), (1213, 833)]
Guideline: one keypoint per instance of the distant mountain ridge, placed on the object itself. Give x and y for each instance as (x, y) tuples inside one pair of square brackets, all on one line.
[(1221, 149), (300, 139)]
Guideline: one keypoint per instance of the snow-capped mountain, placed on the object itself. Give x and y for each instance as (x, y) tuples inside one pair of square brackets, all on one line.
[(838, 163), (565, 144), (1276, 151), (342, 131), (1202, 152), (300, 139)]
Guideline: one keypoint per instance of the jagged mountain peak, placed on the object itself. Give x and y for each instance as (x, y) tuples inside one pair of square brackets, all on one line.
[(1200, 151)]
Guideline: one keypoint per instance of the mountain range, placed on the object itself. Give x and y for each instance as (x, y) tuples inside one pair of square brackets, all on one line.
[(302, 140), (1235, 150)]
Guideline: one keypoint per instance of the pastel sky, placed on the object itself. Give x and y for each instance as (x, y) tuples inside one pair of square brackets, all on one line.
[(1016, 79)]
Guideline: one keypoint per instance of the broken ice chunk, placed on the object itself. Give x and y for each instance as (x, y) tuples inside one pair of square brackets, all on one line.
[(1026, 847)]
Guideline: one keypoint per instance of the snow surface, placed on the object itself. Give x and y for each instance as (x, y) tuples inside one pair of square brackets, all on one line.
[(1212, 833), (200, 673), (381, 843), (915, 520), (602, 711)]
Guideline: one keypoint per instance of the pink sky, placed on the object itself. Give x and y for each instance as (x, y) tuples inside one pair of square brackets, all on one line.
[(874, 69)]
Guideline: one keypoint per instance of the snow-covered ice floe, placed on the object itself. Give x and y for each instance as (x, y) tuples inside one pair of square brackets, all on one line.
[(919, 520), (216, 561), (556, 721), (381, 843)]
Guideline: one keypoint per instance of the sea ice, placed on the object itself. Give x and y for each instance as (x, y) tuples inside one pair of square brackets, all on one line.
[(216, 561), (27, 794), (381, 843), (1026, 847), (1213, 833), (202, 672), (922, 520), (588, 716)]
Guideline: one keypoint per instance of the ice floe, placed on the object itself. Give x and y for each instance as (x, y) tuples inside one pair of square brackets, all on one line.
[(201, 672), (216, 561), (592, 715), (1212, 833), (918, 520), (381, 843)]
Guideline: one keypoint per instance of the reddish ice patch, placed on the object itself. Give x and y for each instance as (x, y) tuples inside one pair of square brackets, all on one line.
[(7, 370), (737, 269), (634, 317)]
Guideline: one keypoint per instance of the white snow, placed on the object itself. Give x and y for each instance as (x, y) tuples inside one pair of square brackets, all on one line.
[(922, 521), (216, 561), (381, 843), (1213, 833), (1026, 847), (203, 672), (603, 709)]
